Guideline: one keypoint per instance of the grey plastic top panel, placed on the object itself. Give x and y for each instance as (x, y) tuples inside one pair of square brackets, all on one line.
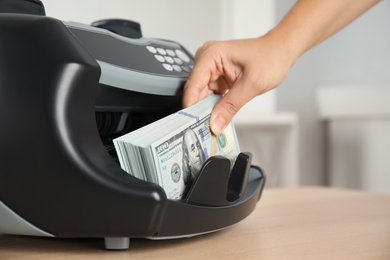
[(129, 64), (140, 82)]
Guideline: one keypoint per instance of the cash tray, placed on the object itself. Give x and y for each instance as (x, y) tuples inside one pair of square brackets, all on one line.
[(57, 177)]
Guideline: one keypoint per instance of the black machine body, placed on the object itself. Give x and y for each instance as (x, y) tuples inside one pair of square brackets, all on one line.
[(68, 89)]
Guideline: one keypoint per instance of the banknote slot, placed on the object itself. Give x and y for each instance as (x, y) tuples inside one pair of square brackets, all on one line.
[(119, 111), (216, 185)]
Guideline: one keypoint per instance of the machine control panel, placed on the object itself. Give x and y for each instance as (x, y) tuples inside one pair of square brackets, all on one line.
[(146, 65)]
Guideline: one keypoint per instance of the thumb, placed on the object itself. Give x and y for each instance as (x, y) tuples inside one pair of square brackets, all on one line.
[(229, 104)]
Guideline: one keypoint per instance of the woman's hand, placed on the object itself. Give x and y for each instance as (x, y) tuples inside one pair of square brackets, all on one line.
[(239, 70)]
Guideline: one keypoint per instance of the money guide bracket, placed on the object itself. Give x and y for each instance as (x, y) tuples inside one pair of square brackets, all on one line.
[(67, 90)]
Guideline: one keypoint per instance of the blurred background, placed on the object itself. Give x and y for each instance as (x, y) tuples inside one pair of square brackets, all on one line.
[(329, 121)]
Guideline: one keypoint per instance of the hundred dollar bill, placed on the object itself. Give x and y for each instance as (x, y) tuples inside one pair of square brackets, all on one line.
[(179, 158), (173, 155)]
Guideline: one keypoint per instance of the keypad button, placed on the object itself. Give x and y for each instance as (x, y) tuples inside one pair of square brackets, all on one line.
[(159, 58), (184, 57), (168, 66), (178, 61), (169, 59), (177, 68), (171, 53), (151, 49), (161, 51), (186, 69)]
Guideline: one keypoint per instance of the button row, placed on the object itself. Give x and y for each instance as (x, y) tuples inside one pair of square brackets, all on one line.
[(175, 67), (178, 54), (161, 51), (168, 59)]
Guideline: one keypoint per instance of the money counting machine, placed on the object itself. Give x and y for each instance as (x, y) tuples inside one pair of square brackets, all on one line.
[(66, 90)]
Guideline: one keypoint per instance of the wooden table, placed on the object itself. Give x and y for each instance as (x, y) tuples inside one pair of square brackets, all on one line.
[(295, 223)]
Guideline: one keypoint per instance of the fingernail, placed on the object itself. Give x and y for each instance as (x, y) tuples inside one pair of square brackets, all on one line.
[(218, 124)]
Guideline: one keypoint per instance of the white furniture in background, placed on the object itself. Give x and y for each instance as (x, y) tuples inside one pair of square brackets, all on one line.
[(272, 138), (357, 121)]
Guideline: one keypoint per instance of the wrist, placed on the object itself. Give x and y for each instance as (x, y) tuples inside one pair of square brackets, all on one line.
[(285, 43)]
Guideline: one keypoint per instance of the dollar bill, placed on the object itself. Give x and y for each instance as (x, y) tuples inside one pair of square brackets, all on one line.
[(173, 155)]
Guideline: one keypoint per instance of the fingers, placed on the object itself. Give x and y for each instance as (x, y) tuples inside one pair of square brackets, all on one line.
[(234, 70), (214, 73), (194, 93), (195, 88), (204, 78), (220, 86), (230, 104)]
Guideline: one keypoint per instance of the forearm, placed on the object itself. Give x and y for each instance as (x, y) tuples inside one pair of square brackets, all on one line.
[(242, 69), (310, 22)]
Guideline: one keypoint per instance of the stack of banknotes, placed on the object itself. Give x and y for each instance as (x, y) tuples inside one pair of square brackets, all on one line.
[(171, 151)]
